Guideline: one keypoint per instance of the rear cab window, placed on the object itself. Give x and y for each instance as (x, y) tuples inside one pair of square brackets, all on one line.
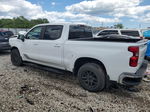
[(130, 33), (80, 31)]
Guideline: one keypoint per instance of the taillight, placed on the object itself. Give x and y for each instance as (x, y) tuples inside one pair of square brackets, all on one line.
[(134, 59)]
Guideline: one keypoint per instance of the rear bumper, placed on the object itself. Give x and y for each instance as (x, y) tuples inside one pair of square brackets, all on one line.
[(133, 79), (5, 46)]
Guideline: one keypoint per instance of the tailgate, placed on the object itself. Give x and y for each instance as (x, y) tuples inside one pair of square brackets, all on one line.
[(142, 51)]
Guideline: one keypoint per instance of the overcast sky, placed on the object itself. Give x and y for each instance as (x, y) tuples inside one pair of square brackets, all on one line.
[(132, 13)]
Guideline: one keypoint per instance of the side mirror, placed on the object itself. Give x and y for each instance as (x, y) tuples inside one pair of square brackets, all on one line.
[(21, 35)]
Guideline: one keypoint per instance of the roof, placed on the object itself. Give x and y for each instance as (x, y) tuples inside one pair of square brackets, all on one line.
[(63, 23), (123, 29)]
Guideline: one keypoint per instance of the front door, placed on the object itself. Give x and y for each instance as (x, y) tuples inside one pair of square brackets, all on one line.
[(31, 44), (51, 46)]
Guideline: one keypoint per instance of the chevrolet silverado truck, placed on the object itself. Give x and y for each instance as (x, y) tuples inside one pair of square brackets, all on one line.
[(71, 47)]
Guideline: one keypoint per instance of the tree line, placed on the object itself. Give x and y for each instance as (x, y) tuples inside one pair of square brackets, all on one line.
[(21, 22)]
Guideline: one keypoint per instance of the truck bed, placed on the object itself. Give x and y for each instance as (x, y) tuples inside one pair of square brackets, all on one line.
[(110, 38)]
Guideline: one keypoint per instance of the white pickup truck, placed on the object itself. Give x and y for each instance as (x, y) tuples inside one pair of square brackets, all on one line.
[(70, 47)]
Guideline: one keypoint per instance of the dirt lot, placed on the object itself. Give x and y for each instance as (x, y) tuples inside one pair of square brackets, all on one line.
[(27, 89)]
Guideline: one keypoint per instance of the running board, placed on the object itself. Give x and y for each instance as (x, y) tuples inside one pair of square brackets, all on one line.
[(50, 69)]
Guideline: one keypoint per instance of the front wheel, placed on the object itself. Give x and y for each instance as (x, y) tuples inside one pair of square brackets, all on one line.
[(91, 77), (16, 58)]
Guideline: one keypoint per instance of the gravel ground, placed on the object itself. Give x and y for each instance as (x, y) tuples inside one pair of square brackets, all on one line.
[(27, 89)]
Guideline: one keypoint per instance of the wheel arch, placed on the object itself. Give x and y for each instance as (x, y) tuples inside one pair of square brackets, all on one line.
[(14, 47), (82, 60)]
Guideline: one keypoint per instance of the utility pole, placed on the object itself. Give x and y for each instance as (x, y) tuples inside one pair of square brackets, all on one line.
[(139, 26), (102, 24)]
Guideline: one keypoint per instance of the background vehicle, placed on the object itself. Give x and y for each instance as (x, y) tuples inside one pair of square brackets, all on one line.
[(4, 42), (7, 34), (128, 32), (146, 34), (72, 48)]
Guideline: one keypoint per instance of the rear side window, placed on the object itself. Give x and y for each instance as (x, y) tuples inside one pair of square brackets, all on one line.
[(108, 32), (130, 33), (80, 31), (53, 32)]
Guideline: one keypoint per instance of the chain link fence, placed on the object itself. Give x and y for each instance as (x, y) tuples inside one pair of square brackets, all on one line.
[(15, 30)]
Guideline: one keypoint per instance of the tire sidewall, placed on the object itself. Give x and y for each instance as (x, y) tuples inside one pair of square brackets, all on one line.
[(99, 73), (16, 58)]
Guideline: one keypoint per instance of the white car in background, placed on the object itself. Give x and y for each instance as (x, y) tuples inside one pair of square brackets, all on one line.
[(129, 32)]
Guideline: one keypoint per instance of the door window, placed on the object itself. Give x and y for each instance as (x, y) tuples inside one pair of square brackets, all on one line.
[(130, 33), (53, 32), (35, 33), (107, 32)]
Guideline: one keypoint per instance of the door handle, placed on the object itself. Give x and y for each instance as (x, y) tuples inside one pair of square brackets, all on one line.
[(56, 45), (35, 44)]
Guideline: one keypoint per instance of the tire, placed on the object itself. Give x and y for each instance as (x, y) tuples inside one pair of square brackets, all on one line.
[(91, 77), (16, 58)]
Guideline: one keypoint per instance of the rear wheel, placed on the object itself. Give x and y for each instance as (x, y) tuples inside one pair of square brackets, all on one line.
[(91, 77), (16, 58)]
